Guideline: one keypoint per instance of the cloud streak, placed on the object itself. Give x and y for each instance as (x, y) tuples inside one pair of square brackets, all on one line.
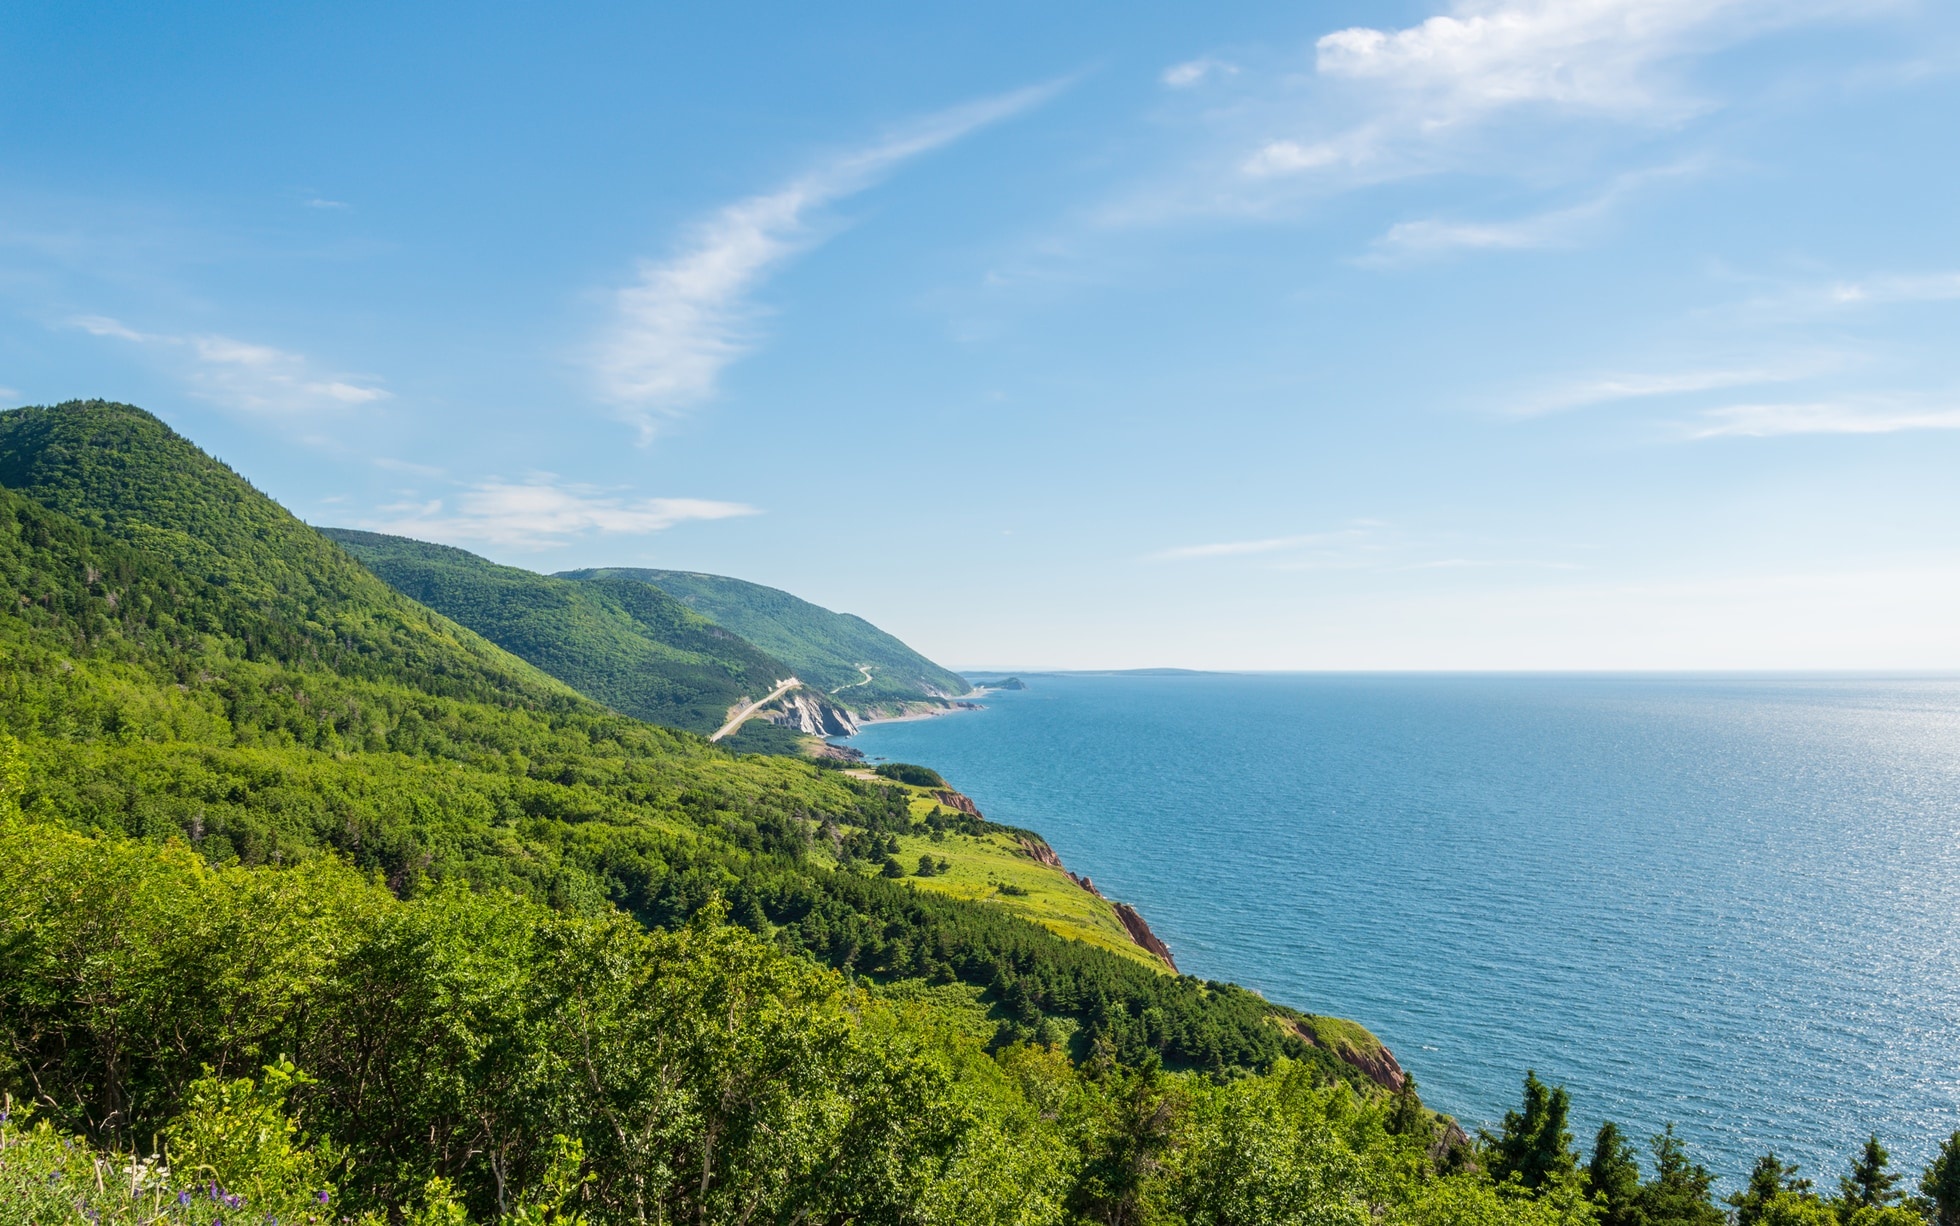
[(242, 375), (1610, 389), (1554, 228), (541, 513), (683, 320), (1821, 417)]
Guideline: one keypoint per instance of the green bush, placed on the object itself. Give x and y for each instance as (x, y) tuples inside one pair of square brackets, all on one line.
[(906, 772)]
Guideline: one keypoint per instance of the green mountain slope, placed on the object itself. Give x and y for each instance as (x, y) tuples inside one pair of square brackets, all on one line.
[(235, 564), (183, 659), (627, 644), (826, 649)]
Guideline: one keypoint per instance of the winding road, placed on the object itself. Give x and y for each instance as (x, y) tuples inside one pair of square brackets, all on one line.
[(742, 716), (863, 668)]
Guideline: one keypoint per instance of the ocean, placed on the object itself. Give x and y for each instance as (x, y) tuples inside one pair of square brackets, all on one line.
[(1728, 903)]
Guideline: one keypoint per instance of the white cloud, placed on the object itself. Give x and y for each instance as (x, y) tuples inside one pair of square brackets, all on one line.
[(243, 375), (1351, 536), (1595, 55), (1927, 287), (1389, 103), (1194, 72), (102, 325), (1821, 417), (540, 513), (1555, 228), (321, 202), (1608, 389), (684, 319)]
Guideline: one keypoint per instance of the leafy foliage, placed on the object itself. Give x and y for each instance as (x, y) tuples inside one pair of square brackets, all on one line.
[(824, 648), (629, 645), (906, 772), (215, 671)]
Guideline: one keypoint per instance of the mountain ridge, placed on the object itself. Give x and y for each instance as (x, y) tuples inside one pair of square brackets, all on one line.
[(829, 650)]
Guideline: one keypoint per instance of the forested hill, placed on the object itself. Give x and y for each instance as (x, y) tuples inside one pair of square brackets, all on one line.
[(627, 644), (226, 564), (828, 650), (534, 961), (186, 660)]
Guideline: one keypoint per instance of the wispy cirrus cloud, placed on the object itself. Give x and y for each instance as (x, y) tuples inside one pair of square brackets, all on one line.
[(242, 375), (1879, 290), (543, 512), (1851, 416), (1382, 104), (1195, 72), (1563, 227), (1423, 87), (684, 319), (1270, 544), (1650, 385), (1358, 538)]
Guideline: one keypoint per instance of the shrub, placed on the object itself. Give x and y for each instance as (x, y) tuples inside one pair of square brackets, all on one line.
[(906, 772)]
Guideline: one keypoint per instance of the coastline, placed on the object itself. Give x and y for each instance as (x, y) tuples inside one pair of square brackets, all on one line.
[(959, 707)]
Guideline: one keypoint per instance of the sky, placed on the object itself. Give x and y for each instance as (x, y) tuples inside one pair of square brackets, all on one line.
[(1464, 334)]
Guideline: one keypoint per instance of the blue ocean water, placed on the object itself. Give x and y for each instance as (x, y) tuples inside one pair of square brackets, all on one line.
[(1733, 904)]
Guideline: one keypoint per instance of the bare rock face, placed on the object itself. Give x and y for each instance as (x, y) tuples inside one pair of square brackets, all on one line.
[(810, 712), (1085, 883), (956, 800), (1380, 1064), (1140, 932), (1039, 852)]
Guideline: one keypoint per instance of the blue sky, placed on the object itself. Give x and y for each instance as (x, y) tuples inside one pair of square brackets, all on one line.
[(1486, 334)]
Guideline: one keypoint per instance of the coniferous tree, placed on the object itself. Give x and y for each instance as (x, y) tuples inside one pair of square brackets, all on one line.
[(1941, 1183), (1613, 1177), (1409, 1117), (1770, 1178), (1872, 1183), (1535, 1147), (1681, 1192)]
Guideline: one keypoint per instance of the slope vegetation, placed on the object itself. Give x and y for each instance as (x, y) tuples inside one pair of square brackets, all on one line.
[(843, 655), (629, 645), (185, 660)]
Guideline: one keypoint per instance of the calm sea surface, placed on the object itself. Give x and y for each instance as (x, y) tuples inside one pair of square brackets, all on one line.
[(1729, 903)]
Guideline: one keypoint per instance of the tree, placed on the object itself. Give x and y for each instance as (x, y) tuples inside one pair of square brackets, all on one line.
[(1872, 1183), (892, 868), (1535, 1148), (1409, 1118), (1681, 1192), (1941, 1183), (1613, 1177), (1770, 1178)]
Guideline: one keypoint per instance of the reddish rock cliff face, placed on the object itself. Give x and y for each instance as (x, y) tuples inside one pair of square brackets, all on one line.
[(1380, 1064), (955, 800), (1040, 852), (1140, 932)]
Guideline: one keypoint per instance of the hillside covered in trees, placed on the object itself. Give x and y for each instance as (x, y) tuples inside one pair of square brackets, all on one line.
[(627, 644), (844, 655), (317, 906)]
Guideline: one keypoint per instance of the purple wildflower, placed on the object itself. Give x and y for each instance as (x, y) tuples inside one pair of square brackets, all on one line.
[(184, 1197), (324, 1196)]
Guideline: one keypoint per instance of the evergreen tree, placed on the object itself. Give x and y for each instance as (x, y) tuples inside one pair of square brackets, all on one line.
[(1409, 1118), (1872, 1183), (1535, 1147), (1613, 1177), (1770, 1178), (1941, 1184), (1681, 1192)]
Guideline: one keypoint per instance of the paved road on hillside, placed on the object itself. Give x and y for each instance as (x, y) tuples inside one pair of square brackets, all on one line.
[(742, 716), (853, 685)]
